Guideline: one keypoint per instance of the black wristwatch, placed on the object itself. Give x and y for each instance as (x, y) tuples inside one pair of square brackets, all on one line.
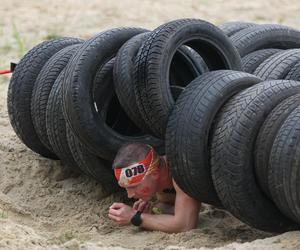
[(136, 219)]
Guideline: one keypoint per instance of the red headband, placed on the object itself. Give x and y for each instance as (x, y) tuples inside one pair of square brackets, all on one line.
[(135, 173)]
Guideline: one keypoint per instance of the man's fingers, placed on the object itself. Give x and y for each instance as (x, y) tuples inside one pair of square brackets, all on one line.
[(142, 206), (114, 212), (116, 205), (136, 205), (114, 218)]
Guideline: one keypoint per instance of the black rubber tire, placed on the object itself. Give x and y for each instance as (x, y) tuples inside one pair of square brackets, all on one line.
[(56, 125), (20, 92), (251, 61), (152, 87), (284, 174), (176, 91), (266, 137), (81, 116), (265, 37), (97, 168), (116, 126), (123, 78), (186, 66), (277, 66), (233, 138), (230, 28), (42, 89), (294, 73), (187, 136)]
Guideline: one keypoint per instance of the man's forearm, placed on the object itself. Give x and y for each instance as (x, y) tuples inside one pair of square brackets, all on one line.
[(166, 223)]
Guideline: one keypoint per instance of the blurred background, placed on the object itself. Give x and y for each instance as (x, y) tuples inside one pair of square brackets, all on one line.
[(24, 24)]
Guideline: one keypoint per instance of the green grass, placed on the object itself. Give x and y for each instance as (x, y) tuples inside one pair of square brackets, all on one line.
[(3, 215), (260, 19), (19, 40), (281, 20), (52, 36)]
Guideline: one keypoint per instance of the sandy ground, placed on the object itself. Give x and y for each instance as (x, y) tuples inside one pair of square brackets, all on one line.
[(41, 207)]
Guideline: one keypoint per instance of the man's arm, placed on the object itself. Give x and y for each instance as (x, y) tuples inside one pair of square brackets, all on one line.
[(185, 217)]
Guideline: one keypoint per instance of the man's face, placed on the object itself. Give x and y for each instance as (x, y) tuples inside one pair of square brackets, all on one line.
[(140, 179), (144, 190)]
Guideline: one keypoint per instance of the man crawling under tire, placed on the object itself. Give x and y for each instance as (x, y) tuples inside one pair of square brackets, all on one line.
[(144, 174)]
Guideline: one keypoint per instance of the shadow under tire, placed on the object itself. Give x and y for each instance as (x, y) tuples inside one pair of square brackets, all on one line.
[(91, 165)]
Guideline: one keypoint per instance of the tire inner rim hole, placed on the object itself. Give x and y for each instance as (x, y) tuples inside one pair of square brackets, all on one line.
[(181, 71), (117, 119)]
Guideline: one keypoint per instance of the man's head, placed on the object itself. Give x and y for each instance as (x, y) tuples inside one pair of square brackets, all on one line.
[(136, 169)]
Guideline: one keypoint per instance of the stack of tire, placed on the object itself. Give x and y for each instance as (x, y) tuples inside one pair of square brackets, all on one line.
[(230, 137)]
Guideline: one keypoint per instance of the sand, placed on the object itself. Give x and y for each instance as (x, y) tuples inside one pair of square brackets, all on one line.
[(43, 207)]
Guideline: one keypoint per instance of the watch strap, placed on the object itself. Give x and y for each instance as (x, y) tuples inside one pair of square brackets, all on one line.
[(136, 219)]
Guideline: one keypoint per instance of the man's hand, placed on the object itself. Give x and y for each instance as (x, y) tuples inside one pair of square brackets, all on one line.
[(142, 206), (121, 213), (185, 216)]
